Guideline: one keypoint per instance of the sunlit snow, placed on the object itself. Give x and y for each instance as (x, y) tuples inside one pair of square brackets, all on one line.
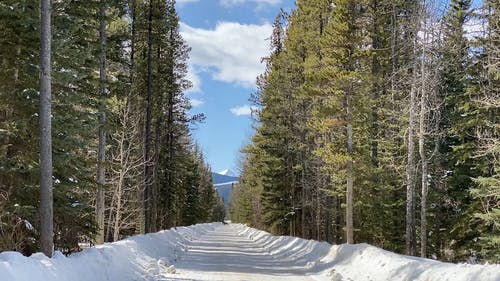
[(233, 252)]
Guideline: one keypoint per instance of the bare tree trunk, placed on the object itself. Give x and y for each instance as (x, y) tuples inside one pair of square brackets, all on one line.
[(101, 150), (394, 55), (147, 147), (376, 87), (111, 213), (421, 146), (140, 220), (133, 8), (303, 211), (118, 215), (318, 212), (350, 147), (18, 57), (157, 149), (423, 210), (120, 186), (339, 222), (292, 225), (411, 244), (154, 184), (46, 199), (125, 169), (304, 190), (170, 155), (350, 174)]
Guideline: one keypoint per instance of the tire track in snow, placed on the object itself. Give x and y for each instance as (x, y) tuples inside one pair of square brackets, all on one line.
[(225, 254)]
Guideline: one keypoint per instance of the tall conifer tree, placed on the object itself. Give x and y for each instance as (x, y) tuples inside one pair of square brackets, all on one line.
[(46, 199)]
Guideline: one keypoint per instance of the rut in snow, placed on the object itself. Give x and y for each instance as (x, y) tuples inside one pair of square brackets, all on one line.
[(225, 253)]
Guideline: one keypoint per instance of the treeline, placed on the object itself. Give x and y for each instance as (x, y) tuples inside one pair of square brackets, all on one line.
[(378, 122), (123, 158)]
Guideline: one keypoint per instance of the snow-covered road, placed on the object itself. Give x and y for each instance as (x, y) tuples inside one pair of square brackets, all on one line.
[(234, 252), (225, 254)]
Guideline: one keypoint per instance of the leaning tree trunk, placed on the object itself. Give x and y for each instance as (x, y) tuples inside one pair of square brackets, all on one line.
[(101, 153), (120, 187), (46, 207)]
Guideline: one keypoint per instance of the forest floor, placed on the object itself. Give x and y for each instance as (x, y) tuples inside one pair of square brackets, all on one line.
[(216, 251)]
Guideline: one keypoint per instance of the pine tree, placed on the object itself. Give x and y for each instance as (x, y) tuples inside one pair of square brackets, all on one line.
[(343, 93), (76, 108), (488, 185), (76, 46), (246, 197), (147, 132), (101, 153), (350, 88), (303, 39), (275, 138), (453, 165), (411, 164), (19, 173), (382, 197)]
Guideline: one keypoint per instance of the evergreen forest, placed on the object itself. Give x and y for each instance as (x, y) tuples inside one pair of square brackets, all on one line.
[(375, 121), (123, 161), (378, 121)]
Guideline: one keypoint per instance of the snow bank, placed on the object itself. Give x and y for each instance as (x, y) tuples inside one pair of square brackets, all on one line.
[(365, 262), (142, 257)]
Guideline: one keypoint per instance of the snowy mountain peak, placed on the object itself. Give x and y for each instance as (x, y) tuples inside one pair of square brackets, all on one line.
[(227, 172)]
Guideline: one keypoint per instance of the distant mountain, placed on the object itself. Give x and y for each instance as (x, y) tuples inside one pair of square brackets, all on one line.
[(224, 184), (227, 172), (221, 179)]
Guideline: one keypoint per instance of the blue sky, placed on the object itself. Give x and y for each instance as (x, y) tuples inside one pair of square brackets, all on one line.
[(228, 39)]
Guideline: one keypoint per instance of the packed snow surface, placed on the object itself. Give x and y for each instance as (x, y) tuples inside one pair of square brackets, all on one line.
[(233, 252)]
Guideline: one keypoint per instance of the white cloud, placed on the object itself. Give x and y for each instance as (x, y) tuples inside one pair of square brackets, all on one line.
[(242, 110), (231, 51), (192, 76), (196, 102), (259, 2)]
